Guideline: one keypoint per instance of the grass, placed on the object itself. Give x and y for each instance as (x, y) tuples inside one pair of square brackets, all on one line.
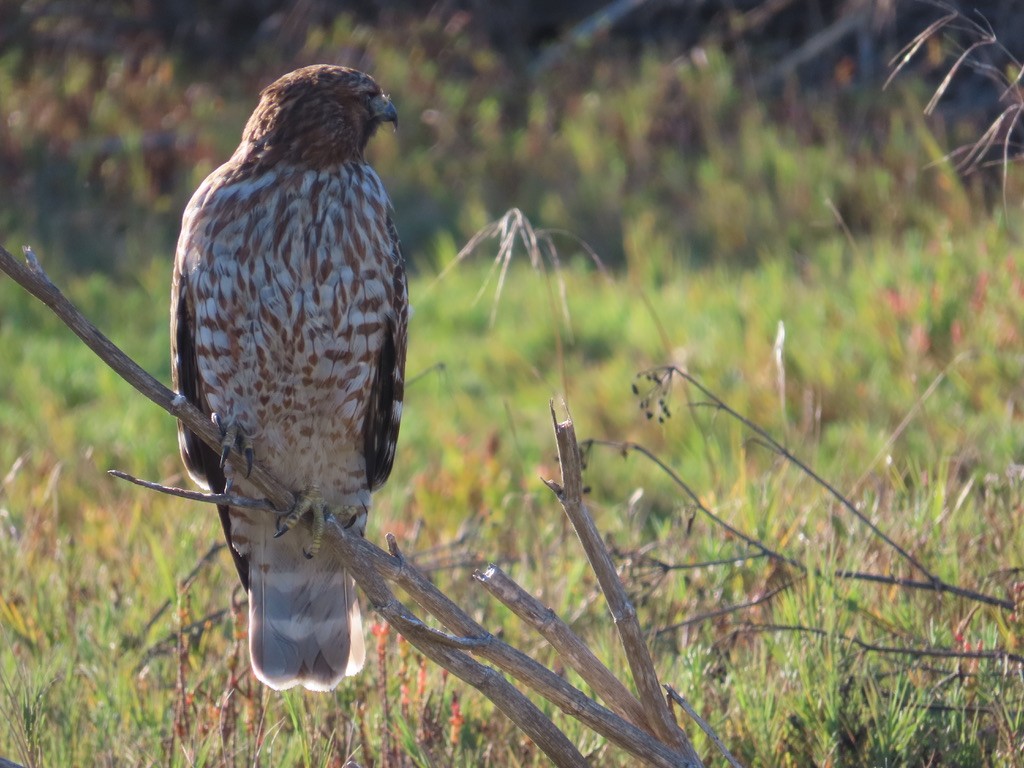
[(902, 374)]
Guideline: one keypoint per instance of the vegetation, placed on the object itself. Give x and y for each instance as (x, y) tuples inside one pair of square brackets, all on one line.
[(821, 269)]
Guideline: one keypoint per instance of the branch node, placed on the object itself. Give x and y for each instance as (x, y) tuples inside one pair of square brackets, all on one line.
[(393, 548), (557, 489)]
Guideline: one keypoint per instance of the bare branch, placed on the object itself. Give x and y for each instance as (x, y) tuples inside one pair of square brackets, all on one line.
[(371, 567), (536, 676), (206, 498), (896, 650), (725, 610), (566, 643), (370, 563), (570, 494), (33, 279)]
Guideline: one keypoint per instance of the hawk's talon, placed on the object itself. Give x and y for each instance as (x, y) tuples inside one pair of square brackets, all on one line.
[(232, 436), (312, 501), (317, 530), (309, 500)]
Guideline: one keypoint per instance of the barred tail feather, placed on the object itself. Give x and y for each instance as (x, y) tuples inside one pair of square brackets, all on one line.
[(304, 625)]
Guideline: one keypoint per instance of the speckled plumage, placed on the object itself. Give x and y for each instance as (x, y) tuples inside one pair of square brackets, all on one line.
[(289, 313)]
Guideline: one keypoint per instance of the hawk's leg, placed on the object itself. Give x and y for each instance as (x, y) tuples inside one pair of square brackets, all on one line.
[(232, 436), (312, 501)]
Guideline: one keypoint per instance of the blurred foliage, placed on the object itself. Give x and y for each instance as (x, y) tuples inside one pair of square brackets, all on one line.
[(632, 152)]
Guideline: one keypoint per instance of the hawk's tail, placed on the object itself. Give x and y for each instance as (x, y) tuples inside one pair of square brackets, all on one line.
[(304, 622)]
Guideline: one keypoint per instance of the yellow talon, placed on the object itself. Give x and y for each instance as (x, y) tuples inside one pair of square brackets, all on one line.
[(316, 531), (232, 436), (311, 500)]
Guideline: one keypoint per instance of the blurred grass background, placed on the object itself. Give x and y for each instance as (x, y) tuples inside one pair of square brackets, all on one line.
[(723, 195)]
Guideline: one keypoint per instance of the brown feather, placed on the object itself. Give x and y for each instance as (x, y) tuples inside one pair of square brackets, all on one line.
[(201, 461)]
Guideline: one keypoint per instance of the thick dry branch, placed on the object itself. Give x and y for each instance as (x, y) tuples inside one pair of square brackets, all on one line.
[(365, 557), (567, 644), (570, 494), (33, 279), (371, 566), (513, 661)]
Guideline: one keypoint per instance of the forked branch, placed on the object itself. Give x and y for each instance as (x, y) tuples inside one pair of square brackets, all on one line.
[(373, 568)]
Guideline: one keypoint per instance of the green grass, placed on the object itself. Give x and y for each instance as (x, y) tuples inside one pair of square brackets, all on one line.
[(902, 388), (88, 561)]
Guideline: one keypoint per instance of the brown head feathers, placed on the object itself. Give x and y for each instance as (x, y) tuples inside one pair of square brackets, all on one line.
[(316, 117)]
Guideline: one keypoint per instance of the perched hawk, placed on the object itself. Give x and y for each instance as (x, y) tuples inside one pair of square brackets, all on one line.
[(288, 326)]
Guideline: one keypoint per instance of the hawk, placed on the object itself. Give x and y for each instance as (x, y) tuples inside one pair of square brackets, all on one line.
[(289, 312)]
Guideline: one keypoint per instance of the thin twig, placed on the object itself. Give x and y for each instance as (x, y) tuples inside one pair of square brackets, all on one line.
[(206, 498), (673, 695), (932, 583), (934, 653), (627, 447), (185, 584), (194, 630), (725, 610), (647, 561), (784, 452)]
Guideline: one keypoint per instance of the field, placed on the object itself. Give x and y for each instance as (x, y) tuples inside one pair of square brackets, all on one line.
[(824, 271)]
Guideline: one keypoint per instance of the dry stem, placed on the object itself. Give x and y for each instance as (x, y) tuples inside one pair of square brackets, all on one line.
[(570, 494)]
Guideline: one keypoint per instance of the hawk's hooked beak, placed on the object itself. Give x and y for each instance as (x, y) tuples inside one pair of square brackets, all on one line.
[(383, 111)]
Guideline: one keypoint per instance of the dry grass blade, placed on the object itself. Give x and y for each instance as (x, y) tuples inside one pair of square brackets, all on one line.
[(570, 494), (1000, 130), (944, 85), (540, 249), (907, 53)]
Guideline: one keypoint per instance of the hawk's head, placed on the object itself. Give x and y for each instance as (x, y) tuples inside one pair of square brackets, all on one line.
[(317, 116)]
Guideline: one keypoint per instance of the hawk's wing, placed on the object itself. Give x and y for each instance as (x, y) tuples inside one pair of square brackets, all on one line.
[(201, 461), (384, 409)]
